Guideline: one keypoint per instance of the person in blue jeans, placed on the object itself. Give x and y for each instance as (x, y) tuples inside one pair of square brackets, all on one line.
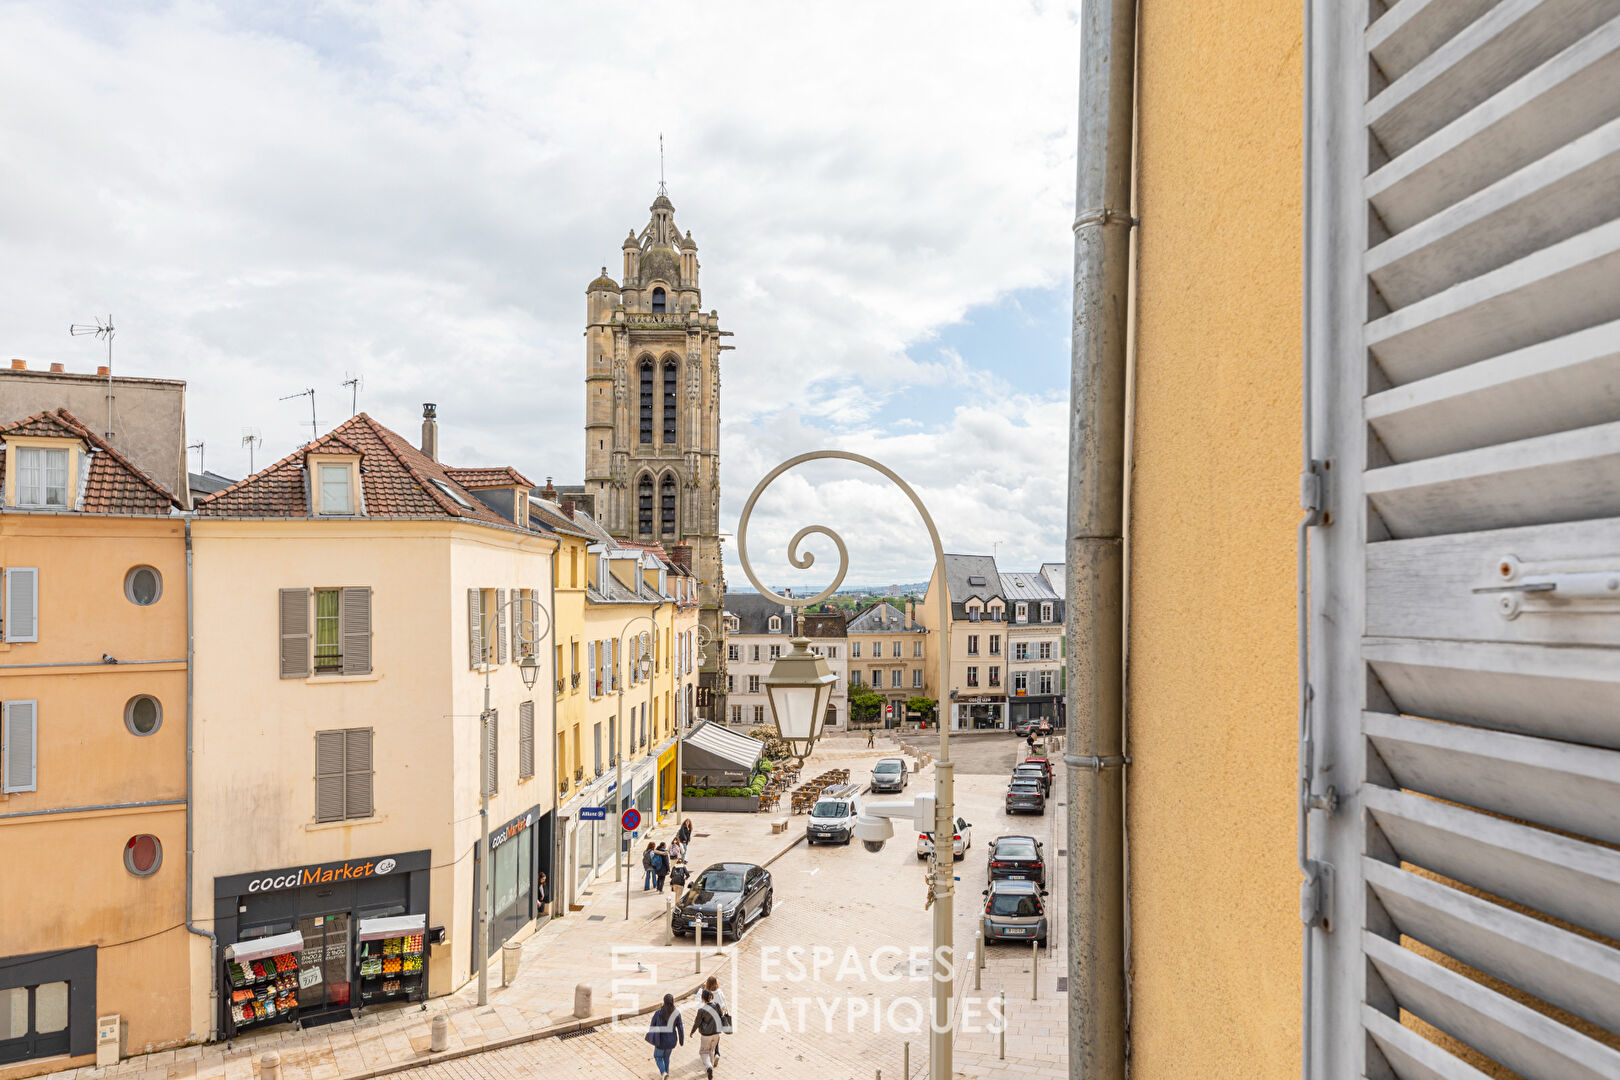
[(666, 1033), (649, 873)]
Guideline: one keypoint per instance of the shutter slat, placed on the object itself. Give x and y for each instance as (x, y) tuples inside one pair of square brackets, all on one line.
[(1570, 693), (1564, 877), (294, 613), (1536, 1046), (1564, 969), (500, 626), (526, 739), (1551, 783), (19, 746), (1411, 1055), (1412, 29), (475, 628), (358, 773), (354, 614), (22, 604)]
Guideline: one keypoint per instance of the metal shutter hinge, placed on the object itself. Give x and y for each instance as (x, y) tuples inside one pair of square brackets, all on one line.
[(1313, 493), (1316, 895)]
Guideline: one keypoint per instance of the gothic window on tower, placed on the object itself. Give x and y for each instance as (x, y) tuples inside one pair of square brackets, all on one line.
[(669, 402), (645, 498), (667, 506), (646, 401), (658, 301)]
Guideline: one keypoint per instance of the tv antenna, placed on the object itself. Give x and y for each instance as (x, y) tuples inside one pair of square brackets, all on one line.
[(202, 455), (662, 190), (251, 439), (355, 384), (100, 330), (314, 432)]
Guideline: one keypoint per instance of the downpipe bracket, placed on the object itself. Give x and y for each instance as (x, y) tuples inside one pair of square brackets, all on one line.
[(1097, 764), (1104, 216)]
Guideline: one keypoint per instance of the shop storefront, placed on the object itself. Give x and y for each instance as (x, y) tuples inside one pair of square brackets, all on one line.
[(977, 714), (48, 1004), (520, 851), (666, 781), (1035, 707), (318, 942)]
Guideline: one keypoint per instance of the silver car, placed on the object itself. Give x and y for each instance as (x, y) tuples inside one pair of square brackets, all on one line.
[(889, 774), (1014, 911)]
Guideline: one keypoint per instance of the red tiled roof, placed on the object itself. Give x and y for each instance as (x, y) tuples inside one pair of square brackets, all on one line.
[(115, 485), (478, 478), (396, 480)]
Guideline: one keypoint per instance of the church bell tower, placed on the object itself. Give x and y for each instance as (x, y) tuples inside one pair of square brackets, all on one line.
[(652, 413)]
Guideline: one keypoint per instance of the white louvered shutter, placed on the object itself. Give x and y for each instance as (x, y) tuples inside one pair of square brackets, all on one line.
[(357, 773), (526, 739), (293, 611), (354, 615), (475, 628), (500, 626), (329, 775), (22, 604), (19, 746), (1470, 348), (519, 617), (492, 762), (590, 668)]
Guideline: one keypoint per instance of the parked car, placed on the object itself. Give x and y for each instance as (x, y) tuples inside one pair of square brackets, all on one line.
[(832, 819), (1022, 727), (1025, 795), (959, 843), (1017, 858), (1014, 910), (734, 894), (890, 774), (1044, 765), (1035, 773)]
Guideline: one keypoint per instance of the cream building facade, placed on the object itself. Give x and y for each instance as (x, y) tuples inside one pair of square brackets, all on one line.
[(758, 630), (977, 696), (889, 652), (1035, 675)]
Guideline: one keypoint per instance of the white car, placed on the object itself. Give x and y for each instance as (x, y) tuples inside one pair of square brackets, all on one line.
[(959, 843)]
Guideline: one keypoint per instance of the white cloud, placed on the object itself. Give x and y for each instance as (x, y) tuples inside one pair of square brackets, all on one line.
[(420, 192)]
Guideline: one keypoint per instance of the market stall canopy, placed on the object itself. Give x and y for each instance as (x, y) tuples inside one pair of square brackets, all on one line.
[(259, 948), (391, 927), (711, 754)]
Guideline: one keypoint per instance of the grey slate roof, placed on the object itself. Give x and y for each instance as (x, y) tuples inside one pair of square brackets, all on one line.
[(960, 572), (753, 612), (883, 618), (1027, 586)]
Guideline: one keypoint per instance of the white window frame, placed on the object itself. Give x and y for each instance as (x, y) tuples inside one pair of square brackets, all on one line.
[(1046, 612), (37, 460), (325, 468)]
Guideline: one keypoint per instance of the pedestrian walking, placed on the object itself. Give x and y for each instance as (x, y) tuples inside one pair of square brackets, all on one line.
[(647, 868), (871, 738), (709, 1023), (684, 833), (713, 987), (665, 1033), (660, 866)]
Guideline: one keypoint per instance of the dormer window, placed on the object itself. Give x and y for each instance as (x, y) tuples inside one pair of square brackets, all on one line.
[(42, 476), (520, 509), (658, 301), (337, 489), (776, 624), (1046, 613)]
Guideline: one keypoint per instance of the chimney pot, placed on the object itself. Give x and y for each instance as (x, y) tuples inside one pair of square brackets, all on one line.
[(19, 365), (58, 368), (430, 430), (103, 370)]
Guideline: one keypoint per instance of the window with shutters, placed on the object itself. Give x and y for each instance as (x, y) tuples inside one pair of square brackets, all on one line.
[(525, 740), (20, 621), (328, 653), (855, 650), (776, 652), (596, 734), (753, 684), (1046, 682), (759, 714), (343, 775), (19, 746), (916, 679), (733, 652), (1046, 650), (325, 631)]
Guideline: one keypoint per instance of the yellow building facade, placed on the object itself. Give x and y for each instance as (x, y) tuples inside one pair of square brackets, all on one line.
[(92, 753)]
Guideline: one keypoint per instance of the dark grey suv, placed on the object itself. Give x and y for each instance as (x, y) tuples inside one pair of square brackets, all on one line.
[(889, 774)]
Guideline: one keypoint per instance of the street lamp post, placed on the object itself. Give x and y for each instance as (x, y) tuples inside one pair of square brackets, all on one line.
[(805, 678), (644, 667), (529, 669)]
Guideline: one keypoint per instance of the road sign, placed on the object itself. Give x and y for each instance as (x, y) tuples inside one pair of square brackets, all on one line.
[(631, 819), (593, 813)]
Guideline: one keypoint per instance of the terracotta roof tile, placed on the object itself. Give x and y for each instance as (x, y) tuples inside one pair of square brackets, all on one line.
[(478, 478), (396, 480), (115, 485)]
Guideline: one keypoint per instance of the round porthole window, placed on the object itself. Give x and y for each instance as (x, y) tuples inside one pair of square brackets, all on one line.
[(143, 714), (143, 585), (143, 855)]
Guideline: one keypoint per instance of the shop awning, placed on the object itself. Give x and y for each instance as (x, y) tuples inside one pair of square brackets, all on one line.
[(392, 926), (259, 948), (713, 753)]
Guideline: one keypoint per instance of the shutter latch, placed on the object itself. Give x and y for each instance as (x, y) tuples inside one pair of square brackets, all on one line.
[(1519, 589)]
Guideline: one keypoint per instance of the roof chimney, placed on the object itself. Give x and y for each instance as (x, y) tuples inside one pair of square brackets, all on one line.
[(681, 555), (568, 508), (58, 368), (430, 430), (548, 492), (19, 365), (103, 370)]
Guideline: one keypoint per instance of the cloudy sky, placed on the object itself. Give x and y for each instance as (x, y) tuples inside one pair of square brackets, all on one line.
[(269, 197)]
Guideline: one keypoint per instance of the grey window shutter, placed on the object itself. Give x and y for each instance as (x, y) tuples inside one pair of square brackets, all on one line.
[(22, 604), (357, 773), (526, 739), (329, 775), (354, 618), (590, 668), (294, 633), (19, 746), (492, 771), (521, 603), (500, 626), (475, 628)]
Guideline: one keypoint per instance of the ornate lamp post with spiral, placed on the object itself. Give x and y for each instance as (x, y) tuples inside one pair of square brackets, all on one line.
[(799, 687)]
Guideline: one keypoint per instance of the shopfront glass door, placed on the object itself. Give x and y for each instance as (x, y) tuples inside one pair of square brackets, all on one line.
[(33, 1021), (323, 965)]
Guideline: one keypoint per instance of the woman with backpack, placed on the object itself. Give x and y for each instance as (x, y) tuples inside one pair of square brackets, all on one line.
[(660, 865), (665, 1033), (710, 1024), (647, 874)]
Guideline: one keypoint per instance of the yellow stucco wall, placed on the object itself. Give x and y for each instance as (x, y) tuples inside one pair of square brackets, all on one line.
[(64, 884), (1214, 898)]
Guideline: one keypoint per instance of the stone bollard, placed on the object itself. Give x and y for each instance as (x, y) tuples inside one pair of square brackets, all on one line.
[(697, 968), (439, 1033), (511, 957), (978, 956), (905, 1062), (582, 1000), (669, 922), (1035, 971), (270, 1066), (1003, 1054)]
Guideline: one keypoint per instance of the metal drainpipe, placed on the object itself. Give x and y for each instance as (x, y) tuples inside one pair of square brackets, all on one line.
[(213, 939), (1095, 579)]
